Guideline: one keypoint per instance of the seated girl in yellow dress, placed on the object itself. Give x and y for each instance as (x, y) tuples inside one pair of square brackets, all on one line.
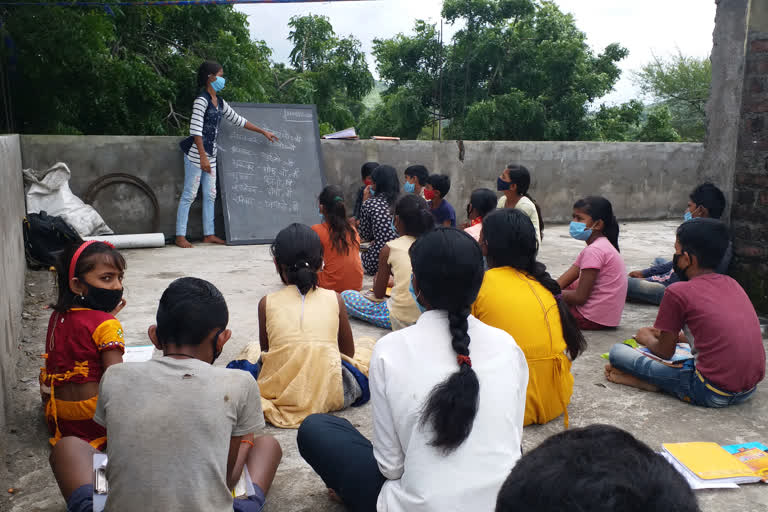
[(310, 363), (520, 297)]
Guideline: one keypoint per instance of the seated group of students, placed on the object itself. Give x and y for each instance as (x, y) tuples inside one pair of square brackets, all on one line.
[(482, 345)]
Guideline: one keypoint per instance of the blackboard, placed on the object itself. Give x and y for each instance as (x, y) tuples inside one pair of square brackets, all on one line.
[(264, 185)]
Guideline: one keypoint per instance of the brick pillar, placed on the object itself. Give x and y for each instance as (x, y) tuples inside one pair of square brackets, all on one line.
[(749, 210)]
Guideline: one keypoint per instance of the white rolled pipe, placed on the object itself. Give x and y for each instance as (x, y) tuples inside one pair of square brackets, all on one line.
[(139, 241)]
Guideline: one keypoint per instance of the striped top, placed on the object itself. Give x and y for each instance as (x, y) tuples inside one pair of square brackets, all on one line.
[(204, 123)]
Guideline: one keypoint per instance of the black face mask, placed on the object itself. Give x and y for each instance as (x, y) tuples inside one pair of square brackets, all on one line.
[(102, 299), (680, 272)]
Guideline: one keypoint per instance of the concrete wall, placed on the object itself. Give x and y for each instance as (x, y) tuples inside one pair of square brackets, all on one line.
[(643, 180), (11, 271)]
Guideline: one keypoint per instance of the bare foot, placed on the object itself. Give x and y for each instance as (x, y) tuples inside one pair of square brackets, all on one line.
[(213, 239), (619, 377), (333, 496), (182, 242)]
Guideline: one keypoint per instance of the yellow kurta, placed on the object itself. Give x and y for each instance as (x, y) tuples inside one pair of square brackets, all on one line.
[(516, 303), (301, 372)]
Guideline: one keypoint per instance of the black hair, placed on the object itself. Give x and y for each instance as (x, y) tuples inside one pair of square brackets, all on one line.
[(343, 235), (367, 169), (298, 253), (519, 175), (599, 208), (88, 259), (414, 213), (448, 271), (510, 240), (707, 239), (441, 183), (189, 310), (587, 469), (387, 183), (711, 198), (419, 172), (206, 69), (483, 200)]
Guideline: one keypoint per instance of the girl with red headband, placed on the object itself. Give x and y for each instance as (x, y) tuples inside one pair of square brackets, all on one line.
[(448, 396), (84, 338)]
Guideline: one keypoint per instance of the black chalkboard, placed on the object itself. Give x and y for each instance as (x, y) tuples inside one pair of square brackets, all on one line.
[(266, 186)]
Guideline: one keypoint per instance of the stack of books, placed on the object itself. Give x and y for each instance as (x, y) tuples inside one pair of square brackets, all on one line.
[(711, 466)]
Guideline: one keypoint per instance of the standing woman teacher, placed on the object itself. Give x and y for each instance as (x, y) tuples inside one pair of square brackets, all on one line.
[(200, 150)]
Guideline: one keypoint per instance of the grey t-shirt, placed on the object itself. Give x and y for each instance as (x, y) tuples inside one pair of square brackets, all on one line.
[(169, 423)]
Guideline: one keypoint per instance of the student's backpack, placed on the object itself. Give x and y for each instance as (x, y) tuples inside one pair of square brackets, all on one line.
[(44, 239)]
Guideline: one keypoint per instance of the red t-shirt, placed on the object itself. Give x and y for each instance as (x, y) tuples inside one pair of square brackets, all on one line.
[(725, 328), (341, 271)]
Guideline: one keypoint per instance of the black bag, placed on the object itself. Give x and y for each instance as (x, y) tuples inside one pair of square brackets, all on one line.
[(45, 237)]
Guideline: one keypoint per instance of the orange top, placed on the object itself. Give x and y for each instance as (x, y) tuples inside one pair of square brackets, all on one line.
[(342, 271)]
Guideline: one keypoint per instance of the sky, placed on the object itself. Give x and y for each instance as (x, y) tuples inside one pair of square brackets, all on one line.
[(645, 27)]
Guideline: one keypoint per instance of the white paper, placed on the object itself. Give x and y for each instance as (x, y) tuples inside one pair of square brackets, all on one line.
[(695, 482), (138, 354)]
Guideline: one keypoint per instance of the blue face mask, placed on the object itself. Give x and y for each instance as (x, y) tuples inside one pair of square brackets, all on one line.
[(219, 83), (322, 217), (579, 231), (415, 298), (373, 192), (394, 229), (687, 216), (502, 185), (409, 187)]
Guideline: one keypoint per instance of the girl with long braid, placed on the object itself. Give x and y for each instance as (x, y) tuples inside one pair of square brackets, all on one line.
[(519, 296), (448, 398)]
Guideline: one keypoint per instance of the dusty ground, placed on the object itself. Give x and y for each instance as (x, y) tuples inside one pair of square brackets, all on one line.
[(245, 274)]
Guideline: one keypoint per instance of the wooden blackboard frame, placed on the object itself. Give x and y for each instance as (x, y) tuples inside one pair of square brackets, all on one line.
[(323, 180)]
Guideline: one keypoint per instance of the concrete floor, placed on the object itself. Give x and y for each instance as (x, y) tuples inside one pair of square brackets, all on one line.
[(245, 274)]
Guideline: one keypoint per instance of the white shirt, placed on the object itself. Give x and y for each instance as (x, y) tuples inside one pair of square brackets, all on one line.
[(196, 127), (405, 367), (525, 205)]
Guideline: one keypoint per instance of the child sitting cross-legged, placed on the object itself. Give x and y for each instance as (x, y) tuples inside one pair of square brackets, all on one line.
[(412, 220), (720, 321), (180, 430), (310, 363)]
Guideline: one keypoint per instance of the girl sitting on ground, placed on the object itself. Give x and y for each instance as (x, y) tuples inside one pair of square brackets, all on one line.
[(520, 297), (309, 360), (481, 203), (448, 399), (376, 214), (412, 219), (514, 183), (595, 287), (84, 338), (342, 269)]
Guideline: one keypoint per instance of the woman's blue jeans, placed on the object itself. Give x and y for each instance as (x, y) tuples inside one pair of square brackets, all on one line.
[(193, 178), (685, 383)]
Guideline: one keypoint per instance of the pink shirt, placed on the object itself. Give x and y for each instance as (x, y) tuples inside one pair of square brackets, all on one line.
[(474, 231), (725, 329), (606, 302)]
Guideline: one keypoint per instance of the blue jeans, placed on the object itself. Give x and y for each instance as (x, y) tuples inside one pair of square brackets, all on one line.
[(641, 290), (685, 383), (193, 178)]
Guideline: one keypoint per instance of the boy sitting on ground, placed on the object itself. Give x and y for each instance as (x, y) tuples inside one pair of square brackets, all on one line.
[(706, 201), (180, 430), (437, 188), (724, 329)]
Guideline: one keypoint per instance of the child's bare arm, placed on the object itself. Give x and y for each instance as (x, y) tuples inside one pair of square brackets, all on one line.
[(110, 357), (581, 294), (346, 341), (263, 338), (381, 279), (568, 277)]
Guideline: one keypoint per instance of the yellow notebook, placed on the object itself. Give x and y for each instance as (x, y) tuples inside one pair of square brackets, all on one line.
[(710, 461)]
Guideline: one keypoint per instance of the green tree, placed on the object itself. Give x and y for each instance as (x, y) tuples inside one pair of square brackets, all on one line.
[(658, 127), (517, 69), (682, 84), (86, 71), (619, 123), (328, 71)]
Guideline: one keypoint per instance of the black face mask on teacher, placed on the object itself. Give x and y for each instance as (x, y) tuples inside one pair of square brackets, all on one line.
[(102, 299)]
